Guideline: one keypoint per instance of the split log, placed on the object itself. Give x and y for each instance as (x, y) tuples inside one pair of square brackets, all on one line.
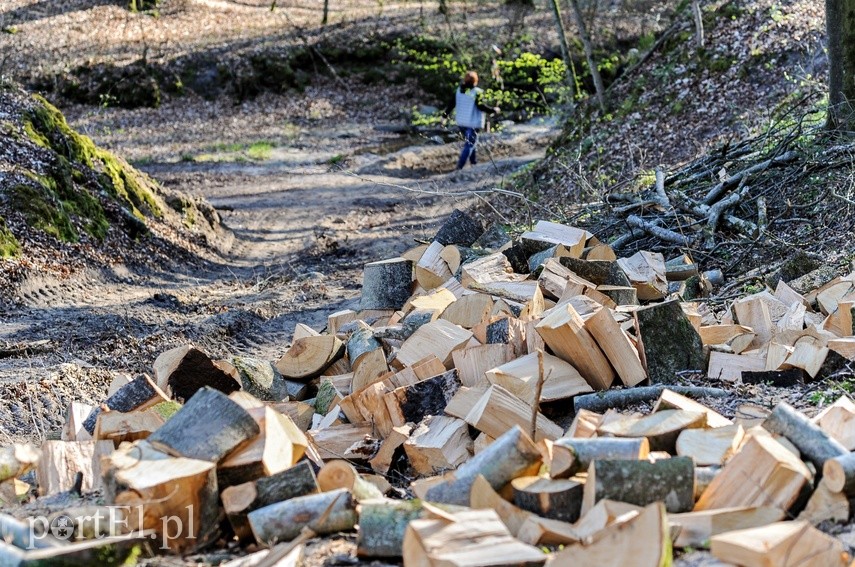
[(118, 427), (520, 377), (710, 446), (730, 367), (460, 229), (815, 445), (61, 461), (383, 524), (261, 379), (241, 499), (548, 234), (597, 272), (668, 343), (472, 363), (660, 428), (839, 474), (439, 338), (309, 357), (73, 429), (826, 504), (469, 310), (647, 274), (737, 337), (438, 444), (334, 442), (753, 312), (494, 267), (671, 481), (576, 455), (762, 473), (838, 420), (511, 455), (783, 544), (618, 294), (337, 320), (556, 499), (497, 410), (227, 426), (564, 331), (278, 446), (164, 493), (371, 369), (584, 425), (386, 284), (339, 474), (382, 461), (17, 459), (138, 395), (505, 330), (180, 372), (432, 270), (640, 540), (602, 401), (411, 404), (324, 513), (696, 528), (465, 538), (670, 399), (299, 412), (604, 513)]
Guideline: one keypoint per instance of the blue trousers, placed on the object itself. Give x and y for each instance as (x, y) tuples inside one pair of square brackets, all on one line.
[(470, 138)]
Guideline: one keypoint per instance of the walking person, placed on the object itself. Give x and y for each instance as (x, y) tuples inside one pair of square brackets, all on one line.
[(469, 115)]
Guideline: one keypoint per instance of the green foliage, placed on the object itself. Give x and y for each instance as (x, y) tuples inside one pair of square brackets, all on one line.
[(260, 151), (420, 119), (9, 245)]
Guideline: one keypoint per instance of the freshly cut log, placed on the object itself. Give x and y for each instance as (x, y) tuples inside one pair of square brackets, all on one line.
[(809, 354), (180, 372), (520, 377), (603, 401), (612, 340), (61, 461), (620, 295), (278, 447), (299, 412), (762, 473), (832, 293), (432, 270), (788, 296), (556, 281), (411, 404), (386, 284), (486, 269), (338, 474), (647, 274), (839, 474), (753, 312), (642, 540), (382, 461), (782, 544), (511, 455), (556, 499), (599, 252), (548, 234), (838, 420), (460, 229), (604, 514), (696, 528), (309, 357), (668, 343), (241, 499), (371, 369), (439, 338), (360, 343), (669, 399), (438, 444), (660, 428), (302, 330), (469, 310), (472, 537), (17, 459), (584, 424), (333, 442), (564, 331), (826, 504), (337, 320), (383, 524), (508, 331), (845, 347), (472, 363), (323, 513), (73, 429), (729, 367), (227, 426), (117, 427), (370, 402), (498, 410), (671, 481), (261, 379), (597, 272), (737, 337), (710, 446), (815, 445), (164, 493), (578, 454), (137, 395)]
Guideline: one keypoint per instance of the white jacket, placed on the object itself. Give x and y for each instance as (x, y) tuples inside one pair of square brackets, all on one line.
[(467, 113)]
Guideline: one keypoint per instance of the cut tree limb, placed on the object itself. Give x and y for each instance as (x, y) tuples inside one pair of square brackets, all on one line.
[(671, 481), (657, 231), (815, 445), (602, 401), (324, 513)]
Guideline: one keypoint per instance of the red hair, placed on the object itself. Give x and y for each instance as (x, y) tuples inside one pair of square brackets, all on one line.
[(470, 79)]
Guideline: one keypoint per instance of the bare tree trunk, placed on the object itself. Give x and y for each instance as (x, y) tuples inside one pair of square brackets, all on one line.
[(699, 23), (326, 12), (841, 54), (565, 50), (589, 54)]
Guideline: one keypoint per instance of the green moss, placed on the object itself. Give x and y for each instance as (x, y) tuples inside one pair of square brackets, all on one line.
[(43, 210), (48, 128), (166, 409), (9, 245)]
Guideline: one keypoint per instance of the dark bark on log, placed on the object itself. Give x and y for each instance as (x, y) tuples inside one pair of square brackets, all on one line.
[(459, 229), (559, 499), (599, 272), (361, 342), (137, 394), (586, 451), (602, 401), (194, 371), (669, 342), (386, 284), (493, 238), (208, 428), (324, 513), (814, 444), (428, 397), (382, 525), (671, 481)]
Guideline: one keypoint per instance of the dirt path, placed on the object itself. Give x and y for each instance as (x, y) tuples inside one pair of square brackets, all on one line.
[(305, 216)]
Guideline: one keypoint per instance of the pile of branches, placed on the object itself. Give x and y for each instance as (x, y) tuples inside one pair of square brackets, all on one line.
[(775, 191)]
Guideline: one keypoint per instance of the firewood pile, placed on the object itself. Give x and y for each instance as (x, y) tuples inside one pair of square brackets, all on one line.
[(472, 412)]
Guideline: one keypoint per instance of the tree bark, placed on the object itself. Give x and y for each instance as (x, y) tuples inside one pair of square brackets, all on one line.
[(671, 481), (565, 50), (840, 26), (814, 444), (589, 55), (602, 401), (324, 513)]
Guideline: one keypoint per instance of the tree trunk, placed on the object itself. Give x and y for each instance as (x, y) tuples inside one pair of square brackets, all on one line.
[(589, 54), (841, 54), (565, 50), (326, 12)]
